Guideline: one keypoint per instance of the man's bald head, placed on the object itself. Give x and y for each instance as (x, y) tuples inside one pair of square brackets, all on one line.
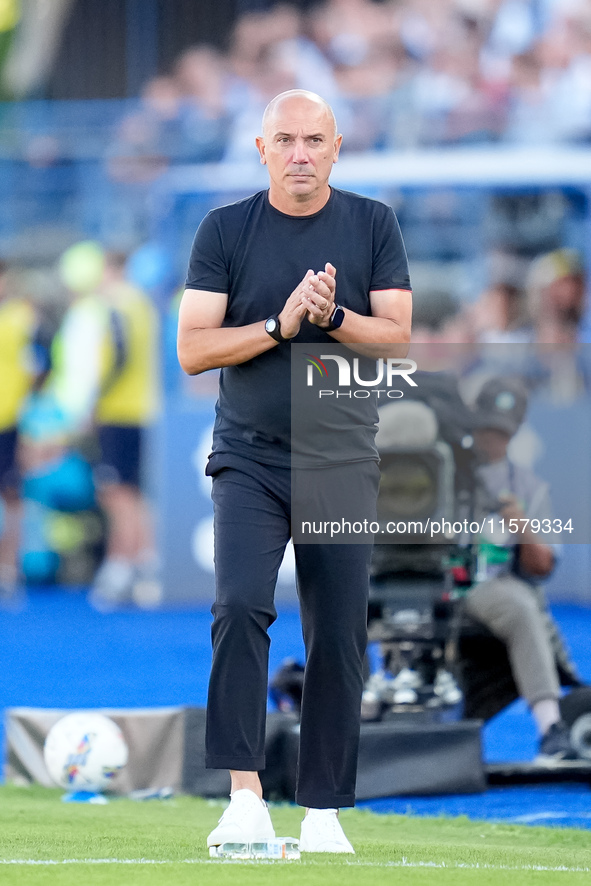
[(299, 146), (277, 104)]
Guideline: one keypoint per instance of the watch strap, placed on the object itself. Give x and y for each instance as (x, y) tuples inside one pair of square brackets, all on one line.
[(336, 319), (276, 332)]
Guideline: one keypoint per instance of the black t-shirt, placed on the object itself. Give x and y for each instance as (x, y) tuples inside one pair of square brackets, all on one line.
[(258, 255)]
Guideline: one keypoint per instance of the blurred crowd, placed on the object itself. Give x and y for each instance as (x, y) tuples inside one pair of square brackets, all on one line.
[(399, 74), (79, 363), (528, 301)]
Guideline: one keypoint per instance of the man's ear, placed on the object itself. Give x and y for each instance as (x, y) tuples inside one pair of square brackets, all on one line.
[(337, 147), (260, 143)]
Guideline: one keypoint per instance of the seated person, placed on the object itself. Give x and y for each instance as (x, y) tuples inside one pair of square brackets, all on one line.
[(509, 599)]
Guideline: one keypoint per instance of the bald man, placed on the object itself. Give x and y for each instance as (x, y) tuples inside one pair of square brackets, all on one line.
[(263, 274)]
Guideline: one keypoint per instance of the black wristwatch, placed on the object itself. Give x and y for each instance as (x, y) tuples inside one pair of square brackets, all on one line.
[(273, 327), (336, 319)]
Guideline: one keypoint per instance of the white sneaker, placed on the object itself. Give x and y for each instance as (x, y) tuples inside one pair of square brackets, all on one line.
[(112, 585), (246, 820), (405, 684), (446, 688), (322, 832)]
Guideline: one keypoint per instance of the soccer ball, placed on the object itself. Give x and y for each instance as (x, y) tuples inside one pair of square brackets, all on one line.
[(84, 751)]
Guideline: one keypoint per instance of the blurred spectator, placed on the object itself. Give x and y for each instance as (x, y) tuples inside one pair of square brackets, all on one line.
[(105, 378), (565, 52), (458, 100), (148, 139), (514, 25), (556, 296), (508, 597), (75, 376), (423, 25), (347, 30), (62, 530), (202, 80), (374, 97), (528, 114), (550, 87), (499, 316), (125, 407), (23, 364), (434, 313)]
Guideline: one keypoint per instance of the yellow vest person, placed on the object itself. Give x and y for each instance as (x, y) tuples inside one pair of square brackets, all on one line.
[(17, 325), (129, 359)]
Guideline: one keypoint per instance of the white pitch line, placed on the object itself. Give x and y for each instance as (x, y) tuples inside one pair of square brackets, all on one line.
[(404, 863)]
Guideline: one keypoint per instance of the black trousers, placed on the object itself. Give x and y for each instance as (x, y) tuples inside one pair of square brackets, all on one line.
[(252, 527)]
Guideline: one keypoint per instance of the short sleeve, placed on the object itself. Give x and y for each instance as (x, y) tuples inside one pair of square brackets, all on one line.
[(207, 265), (390, 264)]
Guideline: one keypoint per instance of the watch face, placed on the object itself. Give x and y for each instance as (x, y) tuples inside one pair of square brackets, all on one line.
[(271, 324), (337, 318)]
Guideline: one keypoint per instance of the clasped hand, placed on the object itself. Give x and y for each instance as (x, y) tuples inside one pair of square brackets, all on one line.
[(314, 297)]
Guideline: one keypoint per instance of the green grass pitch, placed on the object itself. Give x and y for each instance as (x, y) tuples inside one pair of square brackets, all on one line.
[(44, 841)]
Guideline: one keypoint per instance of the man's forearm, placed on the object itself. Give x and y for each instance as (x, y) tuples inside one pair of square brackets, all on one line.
[(203, 349), (392, 337)]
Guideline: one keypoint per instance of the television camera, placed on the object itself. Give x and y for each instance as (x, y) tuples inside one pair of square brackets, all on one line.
[(424, 556)]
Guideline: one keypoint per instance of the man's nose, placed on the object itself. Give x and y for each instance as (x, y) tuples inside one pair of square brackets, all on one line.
[(300, 151)]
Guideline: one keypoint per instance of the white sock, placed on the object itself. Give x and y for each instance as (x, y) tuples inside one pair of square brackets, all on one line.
[(546, 713)]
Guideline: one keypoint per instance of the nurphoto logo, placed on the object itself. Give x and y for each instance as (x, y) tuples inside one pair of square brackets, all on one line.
[(387, 372)]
